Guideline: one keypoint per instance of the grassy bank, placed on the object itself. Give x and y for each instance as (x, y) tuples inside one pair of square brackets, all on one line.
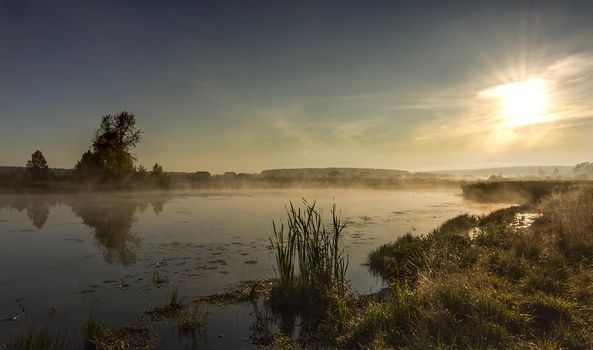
[(518, 278), (487, 282)]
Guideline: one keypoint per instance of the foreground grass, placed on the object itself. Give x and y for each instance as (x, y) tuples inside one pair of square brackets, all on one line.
[(482, 282), (311, 267), (36, 339)]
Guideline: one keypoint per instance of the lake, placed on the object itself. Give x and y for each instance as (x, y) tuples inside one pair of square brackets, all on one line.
[(64, 257)]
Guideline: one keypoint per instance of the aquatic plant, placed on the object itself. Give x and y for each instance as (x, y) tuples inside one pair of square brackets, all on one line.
[(98, 337), (158, 280), (176, 301), (169, 311), (309, 248), (311, 267), (242, 291), (191, 319)]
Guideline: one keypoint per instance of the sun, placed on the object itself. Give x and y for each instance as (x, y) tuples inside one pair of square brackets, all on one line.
[(522, 103)]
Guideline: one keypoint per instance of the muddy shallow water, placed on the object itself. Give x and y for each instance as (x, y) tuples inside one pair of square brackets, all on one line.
[(64, 257)]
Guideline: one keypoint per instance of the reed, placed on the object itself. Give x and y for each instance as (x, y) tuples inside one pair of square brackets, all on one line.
[(308, 255)]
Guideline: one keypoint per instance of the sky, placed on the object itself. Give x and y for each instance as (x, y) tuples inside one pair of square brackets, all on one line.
[(251, 85)]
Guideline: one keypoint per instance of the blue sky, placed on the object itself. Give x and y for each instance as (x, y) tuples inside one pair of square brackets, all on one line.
[(250, 85)]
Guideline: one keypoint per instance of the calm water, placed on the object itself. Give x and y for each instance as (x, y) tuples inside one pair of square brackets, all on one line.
[(81, 254)]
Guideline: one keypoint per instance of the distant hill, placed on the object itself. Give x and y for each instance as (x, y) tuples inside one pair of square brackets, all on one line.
[(544, 170), (369, 173), (315, 173)]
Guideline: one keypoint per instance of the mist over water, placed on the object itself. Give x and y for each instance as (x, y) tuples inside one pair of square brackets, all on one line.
[(81, 254)]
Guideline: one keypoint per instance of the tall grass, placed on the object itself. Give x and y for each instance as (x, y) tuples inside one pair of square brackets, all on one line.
[(311, 268), (308, 254)]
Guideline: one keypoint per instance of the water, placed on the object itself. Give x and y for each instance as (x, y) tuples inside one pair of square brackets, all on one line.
[(85, 254)]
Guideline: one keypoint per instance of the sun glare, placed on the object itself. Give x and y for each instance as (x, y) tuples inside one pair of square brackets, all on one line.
[(522, 103)]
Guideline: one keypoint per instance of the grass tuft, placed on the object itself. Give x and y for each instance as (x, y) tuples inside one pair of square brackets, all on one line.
[(191, 319)]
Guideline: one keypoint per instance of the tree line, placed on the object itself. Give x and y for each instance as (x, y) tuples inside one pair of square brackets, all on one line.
[(109, 162)]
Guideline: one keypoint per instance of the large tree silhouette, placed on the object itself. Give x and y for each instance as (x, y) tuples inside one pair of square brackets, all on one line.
[(111, 158)]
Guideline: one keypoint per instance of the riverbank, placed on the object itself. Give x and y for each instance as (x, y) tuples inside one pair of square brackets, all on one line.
[(498, 281)]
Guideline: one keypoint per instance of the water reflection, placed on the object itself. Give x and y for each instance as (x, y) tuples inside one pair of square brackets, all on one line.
[(112, 223), (110, 217), (37, 207), (38, 212)]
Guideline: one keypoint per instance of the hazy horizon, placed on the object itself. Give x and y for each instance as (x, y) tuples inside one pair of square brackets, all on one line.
[(244, 87), (443, 171)]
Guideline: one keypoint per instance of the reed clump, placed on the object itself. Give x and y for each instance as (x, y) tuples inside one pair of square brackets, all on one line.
[(311, 265)]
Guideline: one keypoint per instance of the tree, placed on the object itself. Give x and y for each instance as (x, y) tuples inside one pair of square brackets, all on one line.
[(584, 169), (37, 167), (89, 166), (111, 156), (157, 169), (160, 178)]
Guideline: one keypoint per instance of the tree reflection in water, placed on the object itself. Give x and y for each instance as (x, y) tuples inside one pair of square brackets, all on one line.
[(37, 207), (110, 216), (112, 222)]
